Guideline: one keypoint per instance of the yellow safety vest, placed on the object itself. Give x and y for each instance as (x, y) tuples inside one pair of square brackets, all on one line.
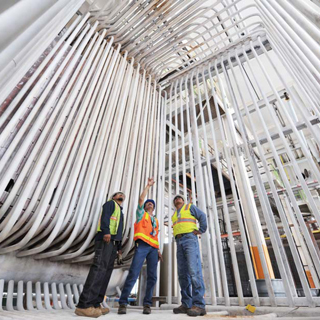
[(114, 219), (186, 223)]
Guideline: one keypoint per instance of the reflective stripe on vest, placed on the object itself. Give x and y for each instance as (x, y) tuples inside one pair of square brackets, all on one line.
[(181, 220), (185, 222), (114, 219), (143, 230), (145, 237)]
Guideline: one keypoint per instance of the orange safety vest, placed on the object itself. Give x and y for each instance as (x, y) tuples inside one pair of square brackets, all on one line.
[(143, 230)]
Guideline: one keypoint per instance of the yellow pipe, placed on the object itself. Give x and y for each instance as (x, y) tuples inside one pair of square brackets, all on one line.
[(284, 236)]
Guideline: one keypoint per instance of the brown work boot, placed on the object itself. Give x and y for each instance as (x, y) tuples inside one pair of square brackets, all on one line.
[(122, 309), (104, 310), (146, 310), (180, 309), (196, 311), (88, 312)]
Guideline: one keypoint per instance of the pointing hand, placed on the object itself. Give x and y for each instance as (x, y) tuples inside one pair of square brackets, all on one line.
[(151, 182)]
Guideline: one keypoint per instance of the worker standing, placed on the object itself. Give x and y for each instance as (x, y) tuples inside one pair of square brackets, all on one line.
[(146, 229), (107, 248), (185, 230)]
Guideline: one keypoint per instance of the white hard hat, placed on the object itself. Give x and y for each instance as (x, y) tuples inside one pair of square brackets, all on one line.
[(180, 196), (117, 193)]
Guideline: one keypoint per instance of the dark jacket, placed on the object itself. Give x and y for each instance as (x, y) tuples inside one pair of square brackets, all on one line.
[(107, 211)]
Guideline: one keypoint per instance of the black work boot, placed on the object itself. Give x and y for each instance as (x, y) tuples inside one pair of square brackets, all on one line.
[(196, 311), (180, 309), (146, 310), (122, 309)]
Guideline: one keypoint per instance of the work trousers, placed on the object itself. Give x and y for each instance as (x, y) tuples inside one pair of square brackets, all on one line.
[(142, 251), (190, 271), (99, 275)]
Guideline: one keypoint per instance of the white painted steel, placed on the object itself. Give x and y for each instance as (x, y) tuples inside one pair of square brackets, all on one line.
[(39, 296), (55, 303), (285, 224), (20, 296), (262, 195), (46, 295), (220, 177), (29, 295), (70, 296), (1, 293), (9, 300), (40, 163), (170, 207), (62, 296), (30, 44), (96, 58), (81, 119)]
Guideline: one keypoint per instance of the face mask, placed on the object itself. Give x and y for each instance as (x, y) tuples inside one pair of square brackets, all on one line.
[(120, 199)]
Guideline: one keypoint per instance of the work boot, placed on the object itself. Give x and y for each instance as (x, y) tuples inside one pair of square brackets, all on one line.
[(180, 309), (88, 312), (146, 310), (122, 309), (104, 310), (196, 311)]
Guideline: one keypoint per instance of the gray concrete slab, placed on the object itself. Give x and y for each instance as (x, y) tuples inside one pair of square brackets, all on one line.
[(136, 314)]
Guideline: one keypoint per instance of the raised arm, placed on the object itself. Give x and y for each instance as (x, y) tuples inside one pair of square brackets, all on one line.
[(145, 191)]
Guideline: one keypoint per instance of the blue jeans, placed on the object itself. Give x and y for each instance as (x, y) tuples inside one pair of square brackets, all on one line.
[(142, 251), (190, 271)]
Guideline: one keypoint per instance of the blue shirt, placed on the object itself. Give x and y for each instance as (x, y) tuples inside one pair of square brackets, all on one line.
[(199, 215)]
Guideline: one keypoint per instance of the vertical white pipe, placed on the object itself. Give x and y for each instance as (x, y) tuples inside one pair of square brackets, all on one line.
[(206, 253), (29, 295), (273, 230), (170, 237), (1, 293), (38, 296), (55, 302), (9, 300), (223, 194), (46, 295), (20, 296), (63, 300)]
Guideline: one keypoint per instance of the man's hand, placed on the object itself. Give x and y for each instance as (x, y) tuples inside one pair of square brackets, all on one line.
[(151, 182), (144, 193), (107, 238), (160, 256), (119, 258), (196, 232)]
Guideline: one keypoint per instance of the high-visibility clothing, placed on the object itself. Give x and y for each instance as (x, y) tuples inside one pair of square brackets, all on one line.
[(143, 231), (114, 220), (185, 222)]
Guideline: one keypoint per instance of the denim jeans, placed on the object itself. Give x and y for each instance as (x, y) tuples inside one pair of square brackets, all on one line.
[(99, 275), (190, 271), (142, 251)]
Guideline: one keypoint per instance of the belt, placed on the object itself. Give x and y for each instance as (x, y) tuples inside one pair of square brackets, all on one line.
[(178, 236)]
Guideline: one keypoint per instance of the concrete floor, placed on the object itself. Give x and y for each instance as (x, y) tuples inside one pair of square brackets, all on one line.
[(134, 314)]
